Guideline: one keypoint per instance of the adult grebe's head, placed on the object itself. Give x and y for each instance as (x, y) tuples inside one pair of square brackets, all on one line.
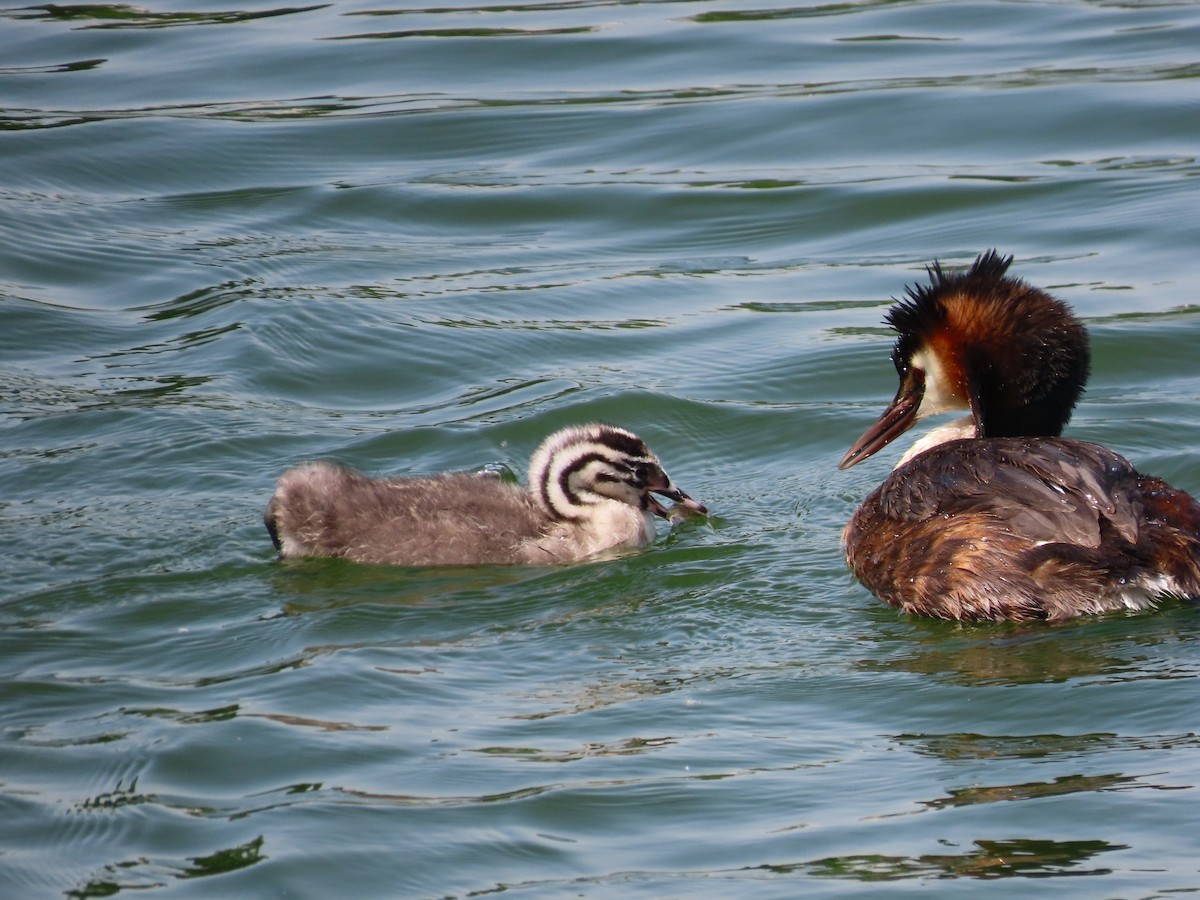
[(980, 340)]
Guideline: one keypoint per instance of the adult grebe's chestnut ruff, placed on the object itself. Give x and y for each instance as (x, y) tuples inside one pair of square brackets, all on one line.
[(590, 490), (995, 516)]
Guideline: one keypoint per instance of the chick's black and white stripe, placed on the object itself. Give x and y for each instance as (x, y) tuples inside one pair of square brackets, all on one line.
[(580, 467)]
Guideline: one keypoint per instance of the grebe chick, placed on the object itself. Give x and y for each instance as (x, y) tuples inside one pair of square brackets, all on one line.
[(995, 516), (589, 490)]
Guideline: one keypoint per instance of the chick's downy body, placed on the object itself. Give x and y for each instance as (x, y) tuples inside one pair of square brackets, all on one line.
[(589, 491)]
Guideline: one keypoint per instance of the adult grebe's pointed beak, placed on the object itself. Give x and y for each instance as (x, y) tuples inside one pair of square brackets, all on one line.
[(900, 416)]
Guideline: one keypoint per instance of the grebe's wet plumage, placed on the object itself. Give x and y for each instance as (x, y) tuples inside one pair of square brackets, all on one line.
[(589, 490), (1005, 519)]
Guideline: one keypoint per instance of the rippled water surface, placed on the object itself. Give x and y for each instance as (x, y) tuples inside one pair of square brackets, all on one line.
[(415, 239)]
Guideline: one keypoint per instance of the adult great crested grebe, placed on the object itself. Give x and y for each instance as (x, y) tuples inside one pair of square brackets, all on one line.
[(994, 516)]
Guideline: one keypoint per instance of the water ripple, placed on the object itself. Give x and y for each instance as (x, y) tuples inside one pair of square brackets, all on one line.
[(386, 105), (120, 15)]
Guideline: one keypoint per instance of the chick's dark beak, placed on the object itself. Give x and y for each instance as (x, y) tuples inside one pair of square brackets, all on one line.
[(900, 416), (660, 483)]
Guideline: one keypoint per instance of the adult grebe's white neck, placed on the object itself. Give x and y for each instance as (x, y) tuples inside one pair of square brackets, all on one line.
[(951, 431)]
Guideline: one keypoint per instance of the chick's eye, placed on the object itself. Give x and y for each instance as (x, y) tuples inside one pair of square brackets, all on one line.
[(642, 473)]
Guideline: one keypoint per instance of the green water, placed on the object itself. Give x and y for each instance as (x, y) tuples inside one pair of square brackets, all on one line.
[(422, 239)]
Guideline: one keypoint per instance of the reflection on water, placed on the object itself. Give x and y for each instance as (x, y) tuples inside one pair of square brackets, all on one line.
[(121, 15), (119, 796), (1038, 746), (1118, 648), (990, 859), (329, 584), (319, 724), (572, 699), (626, 747), (33, 399), (225, 860), (143, 874), (462, 33), (1036, 790), (201, 301)]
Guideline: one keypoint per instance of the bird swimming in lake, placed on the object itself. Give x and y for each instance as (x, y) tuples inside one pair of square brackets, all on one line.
[(994, 516), (590, 490)]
